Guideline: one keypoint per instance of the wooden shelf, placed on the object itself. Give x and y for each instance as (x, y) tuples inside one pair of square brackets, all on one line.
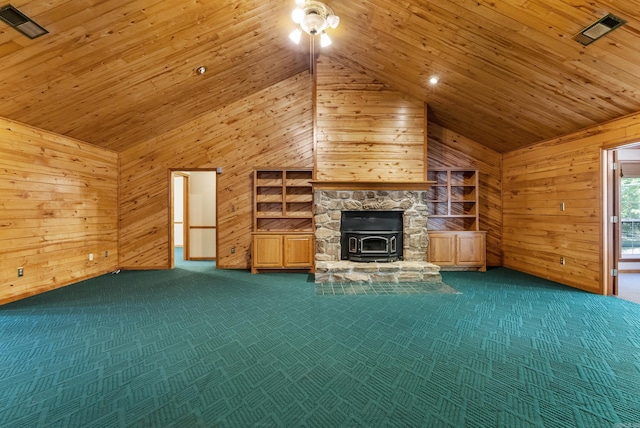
[(283, 216), (299, 198), (269, 199), (372, 185), (453, 215)]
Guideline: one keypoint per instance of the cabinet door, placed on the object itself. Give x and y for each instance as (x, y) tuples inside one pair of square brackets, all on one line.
[(442, 249), (267, 251), (298, 251), (471, 249)]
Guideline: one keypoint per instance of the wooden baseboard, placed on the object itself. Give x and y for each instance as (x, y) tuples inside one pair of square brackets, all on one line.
[(144, 268)]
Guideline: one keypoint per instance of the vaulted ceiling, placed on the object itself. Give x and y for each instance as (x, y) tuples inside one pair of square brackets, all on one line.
[(118, 72)]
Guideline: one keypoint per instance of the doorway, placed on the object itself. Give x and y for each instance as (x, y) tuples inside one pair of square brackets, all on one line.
[(623, 215), (193, 222)]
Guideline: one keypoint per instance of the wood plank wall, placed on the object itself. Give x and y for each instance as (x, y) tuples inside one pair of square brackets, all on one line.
[(536, 180), (448, 149), (58, 204), (366, 131), (273, 127)]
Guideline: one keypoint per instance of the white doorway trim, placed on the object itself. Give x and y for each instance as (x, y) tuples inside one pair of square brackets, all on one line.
[(611, 209)]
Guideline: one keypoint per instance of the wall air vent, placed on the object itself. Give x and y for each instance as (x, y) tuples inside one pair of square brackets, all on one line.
[(21, 22), (598, 29)]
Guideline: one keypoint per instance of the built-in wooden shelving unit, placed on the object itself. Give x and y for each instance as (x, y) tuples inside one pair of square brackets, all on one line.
[(455, 239), (282, 219)]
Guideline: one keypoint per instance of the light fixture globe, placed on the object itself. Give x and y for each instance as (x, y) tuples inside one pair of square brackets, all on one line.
[(325, 40), (296, 35), (313, 17), (297, 15), (312, 23), (333, 21)]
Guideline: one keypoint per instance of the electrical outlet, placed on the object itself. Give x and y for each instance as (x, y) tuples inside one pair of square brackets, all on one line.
[(562, 206), (233, 250), (106, 253), (562, 260), (90, 256), (20, 271)]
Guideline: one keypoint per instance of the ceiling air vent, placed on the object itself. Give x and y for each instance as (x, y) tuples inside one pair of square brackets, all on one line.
[(598, 29), (21, 22)]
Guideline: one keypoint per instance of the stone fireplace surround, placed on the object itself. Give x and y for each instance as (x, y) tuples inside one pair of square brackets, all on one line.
[(331, 198)]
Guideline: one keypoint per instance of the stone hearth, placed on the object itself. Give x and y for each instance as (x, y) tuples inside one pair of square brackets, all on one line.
[(329, 205), (394, 272)]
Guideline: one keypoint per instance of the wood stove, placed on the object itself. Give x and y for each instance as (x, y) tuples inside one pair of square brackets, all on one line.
[(371, 236)]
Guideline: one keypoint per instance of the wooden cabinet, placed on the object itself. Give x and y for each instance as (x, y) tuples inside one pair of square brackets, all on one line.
[(282, 251), (457, 250), (282, 219), (455, 239)]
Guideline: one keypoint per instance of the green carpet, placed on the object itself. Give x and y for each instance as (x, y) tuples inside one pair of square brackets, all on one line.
[(199, 347)]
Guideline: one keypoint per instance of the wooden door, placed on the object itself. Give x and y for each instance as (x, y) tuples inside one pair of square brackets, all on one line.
[(298, 251), (442, 249), (179, 200), (612, 232), (266, 252), (471, 249), (201, 215)]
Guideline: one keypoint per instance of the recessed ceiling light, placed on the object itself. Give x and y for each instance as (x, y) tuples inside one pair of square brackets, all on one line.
[(201, 70), (434, 80)]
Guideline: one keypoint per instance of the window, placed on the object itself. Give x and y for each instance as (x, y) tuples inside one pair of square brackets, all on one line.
[(630, 209)]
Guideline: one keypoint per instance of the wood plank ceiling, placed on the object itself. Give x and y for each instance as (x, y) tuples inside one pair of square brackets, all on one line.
[(118, 72)]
